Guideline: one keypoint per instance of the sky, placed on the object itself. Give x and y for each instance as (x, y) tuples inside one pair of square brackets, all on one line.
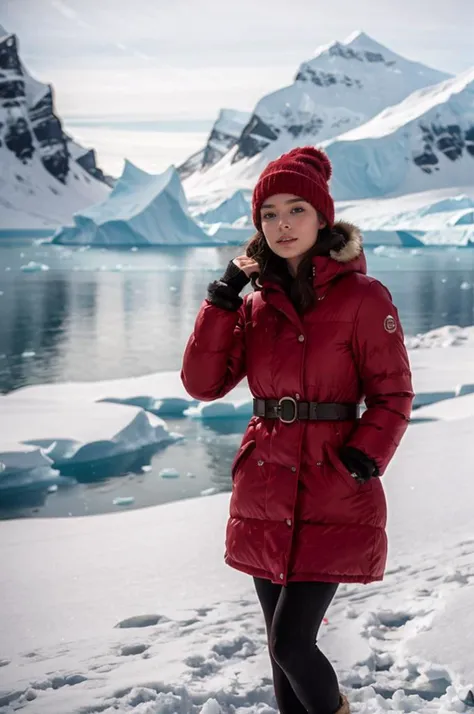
[(181, 61)]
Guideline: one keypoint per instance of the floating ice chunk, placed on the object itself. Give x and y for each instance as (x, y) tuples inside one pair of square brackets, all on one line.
[(33, 267), (123, 500), (28, 353), (166, 407), (75, 439), (387, 251), (25, 466), (465, 285), (220, 409), (169, 473), (447, 336), (209, 491)]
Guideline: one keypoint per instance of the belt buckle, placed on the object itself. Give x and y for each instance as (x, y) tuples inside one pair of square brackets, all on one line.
[(280, 410)]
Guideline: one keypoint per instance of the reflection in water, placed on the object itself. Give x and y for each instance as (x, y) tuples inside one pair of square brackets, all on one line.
[(108, 320), (112, 314), (33, 330)]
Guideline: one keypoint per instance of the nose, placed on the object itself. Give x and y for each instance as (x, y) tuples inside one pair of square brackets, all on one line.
[(285, 223)]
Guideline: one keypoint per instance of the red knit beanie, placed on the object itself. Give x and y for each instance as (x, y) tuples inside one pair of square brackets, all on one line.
[(304, 172)]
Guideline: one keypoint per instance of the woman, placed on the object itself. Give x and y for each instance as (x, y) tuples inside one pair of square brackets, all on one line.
[(315, 336)]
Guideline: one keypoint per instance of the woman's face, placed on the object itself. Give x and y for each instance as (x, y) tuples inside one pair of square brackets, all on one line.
[(290, 226)]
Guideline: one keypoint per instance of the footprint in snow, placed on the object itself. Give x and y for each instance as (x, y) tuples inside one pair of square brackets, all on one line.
[(141, 621), (137, 649), (230, 648)]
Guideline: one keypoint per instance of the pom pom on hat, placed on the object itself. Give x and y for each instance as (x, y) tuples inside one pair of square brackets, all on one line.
[(313, 157), (303, 172)]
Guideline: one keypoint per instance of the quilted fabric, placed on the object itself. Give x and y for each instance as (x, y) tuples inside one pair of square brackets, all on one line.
[(296, 513)]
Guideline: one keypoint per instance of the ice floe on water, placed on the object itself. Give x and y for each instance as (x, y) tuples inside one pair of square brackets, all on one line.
[(91, 430)]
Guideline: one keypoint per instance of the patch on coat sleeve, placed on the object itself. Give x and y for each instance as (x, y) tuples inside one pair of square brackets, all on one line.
[(390, 324)]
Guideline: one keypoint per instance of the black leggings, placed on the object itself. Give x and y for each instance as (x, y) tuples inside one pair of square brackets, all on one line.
[(304, 680)]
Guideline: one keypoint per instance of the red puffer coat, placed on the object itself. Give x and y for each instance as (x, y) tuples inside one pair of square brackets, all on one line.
[(296, 513)]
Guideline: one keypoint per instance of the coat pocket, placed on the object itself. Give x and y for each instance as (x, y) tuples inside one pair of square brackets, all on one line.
[(340, 469), (242, 454)]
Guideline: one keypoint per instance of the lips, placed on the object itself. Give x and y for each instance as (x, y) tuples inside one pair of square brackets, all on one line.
[(286, 239)]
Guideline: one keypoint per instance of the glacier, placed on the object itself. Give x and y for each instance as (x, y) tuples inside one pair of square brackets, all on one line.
[(425, 142)]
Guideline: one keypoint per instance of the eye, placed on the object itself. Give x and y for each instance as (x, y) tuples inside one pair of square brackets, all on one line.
[(298, 209), (268, 216)]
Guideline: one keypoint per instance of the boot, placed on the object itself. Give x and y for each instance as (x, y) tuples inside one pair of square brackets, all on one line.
[(344, 706)]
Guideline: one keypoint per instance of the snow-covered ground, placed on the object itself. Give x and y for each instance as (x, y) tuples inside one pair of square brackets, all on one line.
[(136, 611)]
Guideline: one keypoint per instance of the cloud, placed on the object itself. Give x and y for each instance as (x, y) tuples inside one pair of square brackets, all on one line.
[(157, 92), (104, 41), (69, 13)]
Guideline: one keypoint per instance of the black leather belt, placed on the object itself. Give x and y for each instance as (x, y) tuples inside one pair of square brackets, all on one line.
[(289, 410)]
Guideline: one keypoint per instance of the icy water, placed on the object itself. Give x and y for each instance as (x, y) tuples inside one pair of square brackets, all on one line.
[(99, 314)]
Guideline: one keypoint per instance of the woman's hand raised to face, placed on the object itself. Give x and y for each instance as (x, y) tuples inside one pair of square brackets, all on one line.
[(247, 265)]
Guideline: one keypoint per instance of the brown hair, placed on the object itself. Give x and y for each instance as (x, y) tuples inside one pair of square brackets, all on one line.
[(274, 268)]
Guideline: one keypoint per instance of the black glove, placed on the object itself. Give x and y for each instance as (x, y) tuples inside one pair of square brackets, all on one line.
[(235, 277), (224, 293), (358, 464)]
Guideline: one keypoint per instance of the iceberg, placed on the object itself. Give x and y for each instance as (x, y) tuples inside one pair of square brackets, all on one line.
[(230, 210), (25, 467), (48, 437), (142, 209), (458, 236)]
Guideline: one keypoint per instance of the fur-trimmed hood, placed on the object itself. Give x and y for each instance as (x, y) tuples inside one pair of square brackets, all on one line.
[(351, 242)]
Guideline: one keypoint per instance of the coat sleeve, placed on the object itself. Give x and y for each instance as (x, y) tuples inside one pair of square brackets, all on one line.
[(214, 357), (385, 374)]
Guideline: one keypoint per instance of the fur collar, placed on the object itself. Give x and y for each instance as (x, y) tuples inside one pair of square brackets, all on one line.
[(350, 246)]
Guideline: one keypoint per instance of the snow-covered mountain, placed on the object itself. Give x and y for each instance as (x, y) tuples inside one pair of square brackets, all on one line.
[(43, 180), (344, 85), (426, 142), (224, 135)]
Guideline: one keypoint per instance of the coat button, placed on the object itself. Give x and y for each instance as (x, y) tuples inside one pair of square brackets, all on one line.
[(297, 396), (300, 338), (281, 576), (319, 463), (260, 463), (293, 468), (288, 521)]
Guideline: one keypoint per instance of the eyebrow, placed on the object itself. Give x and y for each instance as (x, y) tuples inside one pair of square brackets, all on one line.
[(290, 200)]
